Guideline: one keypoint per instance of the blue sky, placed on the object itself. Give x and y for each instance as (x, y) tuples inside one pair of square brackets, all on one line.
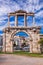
[(7, 6)]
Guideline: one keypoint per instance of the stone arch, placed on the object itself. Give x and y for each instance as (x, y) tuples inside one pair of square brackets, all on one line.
[(28, 33)]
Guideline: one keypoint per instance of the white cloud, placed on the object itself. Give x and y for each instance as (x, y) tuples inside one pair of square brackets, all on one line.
[(7, 6), (36, 2), (3, 18), (2, 27), (39, 14)]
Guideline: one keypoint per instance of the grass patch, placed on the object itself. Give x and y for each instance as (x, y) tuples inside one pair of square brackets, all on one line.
[(22, 53), (1, 52), (28, 54)]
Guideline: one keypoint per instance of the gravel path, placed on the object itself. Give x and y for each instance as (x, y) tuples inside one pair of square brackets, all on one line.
[(10, 59)]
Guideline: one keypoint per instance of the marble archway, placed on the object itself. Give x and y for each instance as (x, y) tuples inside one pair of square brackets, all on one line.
[(29, 40)]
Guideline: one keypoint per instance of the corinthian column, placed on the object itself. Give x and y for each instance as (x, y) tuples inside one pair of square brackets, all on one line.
[(16, 22), (25, 22), (8, 21)]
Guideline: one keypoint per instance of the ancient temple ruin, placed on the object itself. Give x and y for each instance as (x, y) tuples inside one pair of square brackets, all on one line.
[(33, 32)]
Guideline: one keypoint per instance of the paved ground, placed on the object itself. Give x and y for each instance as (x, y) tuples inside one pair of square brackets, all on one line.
[(8, 59)]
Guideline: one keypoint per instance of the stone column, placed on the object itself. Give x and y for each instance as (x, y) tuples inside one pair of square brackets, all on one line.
[(16, 22), (25, 22), (4, 42), (39, 50), (8, 21), (31, 47), (33, 21)]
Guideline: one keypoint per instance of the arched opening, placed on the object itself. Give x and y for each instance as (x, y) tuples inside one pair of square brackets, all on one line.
[(21, 41), (22, 33)]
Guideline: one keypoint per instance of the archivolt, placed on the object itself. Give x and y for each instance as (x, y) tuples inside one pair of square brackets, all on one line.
[(15, 32)]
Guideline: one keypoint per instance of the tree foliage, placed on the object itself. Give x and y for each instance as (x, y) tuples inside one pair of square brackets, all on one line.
[(41, 41)]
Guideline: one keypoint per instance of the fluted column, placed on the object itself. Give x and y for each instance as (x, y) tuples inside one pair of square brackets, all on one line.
[(8, 21), (16, 22), (25, 22)]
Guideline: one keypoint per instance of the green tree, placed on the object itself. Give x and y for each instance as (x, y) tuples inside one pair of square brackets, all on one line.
[(41, 44), (40, 41)]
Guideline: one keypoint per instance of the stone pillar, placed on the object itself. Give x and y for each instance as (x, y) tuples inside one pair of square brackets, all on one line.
[(11, 50), (16, 22), (36, 47), (31, 47), (39, 50), (8, 21), (8, 43), (33, 21), (25, 22), (4, 42)]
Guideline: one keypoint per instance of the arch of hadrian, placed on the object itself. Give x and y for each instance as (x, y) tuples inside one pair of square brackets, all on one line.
[(9, 33)]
